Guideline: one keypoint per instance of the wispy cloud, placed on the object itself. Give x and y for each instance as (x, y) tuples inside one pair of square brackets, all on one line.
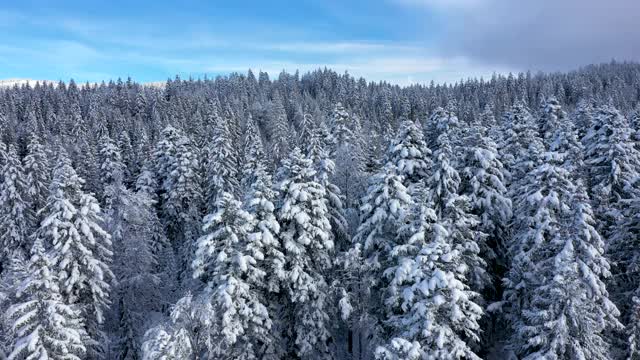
[(92, 49)]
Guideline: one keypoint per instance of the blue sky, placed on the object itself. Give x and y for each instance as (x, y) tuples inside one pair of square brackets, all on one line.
[(401, 41)]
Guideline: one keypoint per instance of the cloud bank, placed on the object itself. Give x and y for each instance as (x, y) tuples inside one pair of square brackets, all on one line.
[(538, 34)]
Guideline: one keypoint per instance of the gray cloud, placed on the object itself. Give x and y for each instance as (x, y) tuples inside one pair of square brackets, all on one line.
[(543, 34)]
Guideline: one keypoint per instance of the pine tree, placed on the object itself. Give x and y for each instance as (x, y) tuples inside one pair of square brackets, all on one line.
[(265, 247), (16, 218), (520, 142), (223, 262), (569, 294), (279, 130), (45, 327), (264, 241), (324, 169), (81, 248), (433, 311), (483, 182), (181, 195), (455, 213), (555, 285), (253, 155), (112, 169), (410, 154), (442, 121), (222, 165), (613, 165), (307, 242), (37, 172), (382, 213), (340, 128), (188, 331), (130, 219)]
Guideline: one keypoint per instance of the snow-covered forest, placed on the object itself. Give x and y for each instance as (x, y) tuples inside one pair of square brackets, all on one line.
[(320, 216)]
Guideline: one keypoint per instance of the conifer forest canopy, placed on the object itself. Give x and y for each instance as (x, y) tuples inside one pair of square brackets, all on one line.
[(320, 216)]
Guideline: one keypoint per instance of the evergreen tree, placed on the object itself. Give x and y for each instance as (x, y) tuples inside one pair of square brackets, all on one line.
[(410, 154), (455, 213), (45, 326), (38, 173), (613, 165), (324, 169), (81, 249), (382, 213), (569, 294), (307, 243), (16, 218), (483, 183), (433, 313), (222, 165), (130, 219), (112, 169), (519, 143), (440, 122), (223, 262)]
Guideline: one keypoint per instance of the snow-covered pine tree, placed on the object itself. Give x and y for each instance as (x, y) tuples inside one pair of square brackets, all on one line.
[(483, 182), (441, 121), (555, 285), (44, 325), (38, 173), (146, 182), (624, 252), (324, 169), (181, 198), (242, 321), (112, 169), (382, 213), (584, 116), (409, 153), (568, 294), (81, 249), (520, 141), (278, 129), (612, 165), (265, 247), (17, 220), (551, 119), (431, 310), (221, 165), (454, 211), (537, 211), (308, 245), (340, 127), (186, 334), (253, 155), (131, 219)]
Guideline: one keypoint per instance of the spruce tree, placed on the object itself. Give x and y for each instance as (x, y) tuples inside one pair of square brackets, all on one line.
[(569, 294), (222, 165), (44, 325), (612, 165), (308, 245), (81, 249), (483, 181), (432, 311), (38, 173), (242, 323), (16, 218), (455, 213), (382, 213), (410, 155), (130, 219)]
